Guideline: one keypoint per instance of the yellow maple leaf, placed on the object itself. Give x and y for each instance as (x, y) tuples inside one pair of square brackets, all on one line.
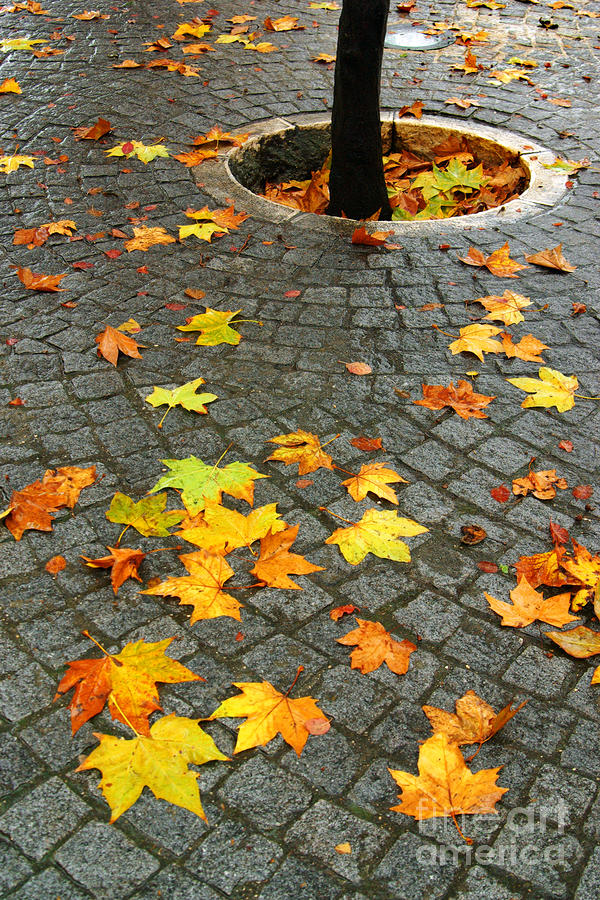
[(477, 339), (202, 588), (159, 762), (505, 308), (373, 477), (145, 237), (204, 231), (268, 713), (445, 787), (12, 163), (377, 533), (551, 389), (301, 447), (474, 722), (190, 29), (528, 605), (10, 86), (221, 530)]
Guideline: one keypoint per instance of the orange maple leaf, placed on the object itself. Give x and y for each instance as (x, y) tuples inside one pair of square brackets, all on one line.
[(123, 563), (92, 132), (202, 588), (276, 563), (541, 484), (31, 506), (301, 447), (583, 569), (269, 713), (463, 399), (35, 282), (376, 646), (528, 347), (346, 610), (579, 642), (499, 262), (112, 342), (285, 23), (126, 679), (445, 786), (551, 259), (529, 606), (543, 568), (195, 157), (145, 237), (474, 722), (360, 235)]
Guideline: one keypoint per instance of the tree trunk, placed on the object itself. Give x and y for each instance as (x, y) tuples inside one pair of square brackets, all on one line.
[(357, 187)]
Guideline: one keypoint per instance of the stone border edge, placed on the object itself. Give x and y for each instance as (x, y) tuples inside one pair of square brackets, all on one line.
[(546, 187)]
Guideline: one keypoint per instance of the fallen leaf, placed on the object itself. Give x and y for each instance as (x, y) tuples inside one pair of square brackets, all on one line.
[(498, 263), (30, 507), (578, 308), (567, 446), (551, 389), (159, 762), (220, 530), (528, 605), (145, 237), (579, 642), (367, 445), (377, 533), (582, 491), (415, 109), (358, 368), (551, 259), (202, 588), (92, 132), (360, 235), (200, 483), (184, 396), (194, 294), (346, 610), (127, 680), (276, 562), (583, 570), (477, 339), (214, 326), (112, 342), (325, 58), (558, 534), (375, 646), (490, 567), (445, 787), (55, 565), (148, 516), (472, 534), (501, 494), (268, 713), (123, 563), (506, 308), (528, 348), (12, 163), (301, 447), (463, 399), (10, 86), (285, 23), (343, 848), (35, 282), (541, 484), (469, 66), (474, 722), (145, 153), (374, 478)]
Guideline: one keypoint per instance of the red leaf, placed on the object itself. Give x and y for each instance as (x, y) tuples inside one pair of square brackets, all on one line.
[(489, 567), (83, 264), (500, 493), (292, 293), (340, 611), (16, 402), (113, 254), (583, 491), (175, 306), (566, 445), (367, 444), (127, 147), (558, 534)]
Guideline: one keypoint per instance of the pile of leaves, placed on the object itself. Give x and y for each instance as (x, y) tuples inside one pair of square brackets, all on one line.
[(451, 181)]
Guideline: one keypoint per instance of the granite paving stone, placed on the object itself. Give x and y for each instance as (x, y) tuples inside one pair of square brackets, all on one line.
[(274, 818)]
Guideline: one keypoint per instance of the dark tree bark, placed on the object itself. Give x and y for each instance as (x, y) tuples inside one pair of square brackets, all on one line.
[(357, 187)]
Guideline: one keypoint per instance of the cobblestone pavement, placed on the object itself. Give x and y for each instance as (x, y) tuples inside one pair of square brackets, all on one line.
[(274, 819)]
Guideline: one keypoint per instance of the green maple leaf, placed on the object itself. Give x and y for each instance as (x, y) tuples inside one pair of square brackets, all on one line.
[(200, 483), (185, 396), (376, 533), (18, 44), (214, 326), (202, 230), (455, 177), (147, 516)]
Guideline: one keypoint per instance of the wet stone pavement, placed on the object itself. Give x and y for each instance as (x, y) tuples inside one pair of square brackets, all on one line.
[(274, 819)]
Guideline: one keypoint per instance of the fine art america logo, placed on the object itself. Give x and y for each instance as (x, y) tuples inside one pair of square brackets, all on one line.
[(515, 844)]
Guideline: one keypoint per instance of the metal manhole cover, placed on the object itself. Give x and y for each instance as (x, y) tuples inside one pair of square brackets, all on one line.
[(413, 39)]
